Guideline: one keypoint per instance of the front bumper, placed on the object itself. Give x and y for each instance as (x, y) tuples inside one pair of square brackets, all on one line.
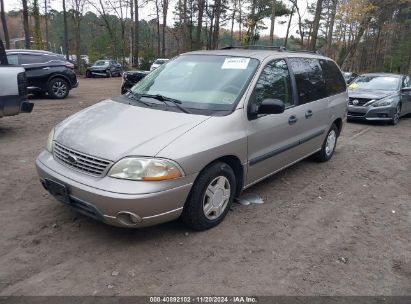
[(109, 199), (75, 85), (371, 113)]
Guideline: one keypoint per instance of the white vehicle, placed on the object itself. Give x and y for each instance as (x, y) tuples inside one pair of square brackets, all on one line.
[(157, 63), (13, 88)]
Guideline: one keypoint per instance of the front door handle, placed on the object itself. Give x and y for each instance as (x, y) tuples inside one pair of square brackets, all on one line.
[(292, 120), (308, 114), (46, 68)]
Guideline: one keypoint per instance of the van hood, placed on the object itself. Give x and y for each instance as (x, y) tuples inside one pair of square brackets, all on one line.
[(112, 130)]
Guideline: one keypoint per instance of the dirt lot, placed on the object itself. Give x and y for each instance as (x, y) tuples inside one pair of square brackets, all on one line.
[(338, 228)]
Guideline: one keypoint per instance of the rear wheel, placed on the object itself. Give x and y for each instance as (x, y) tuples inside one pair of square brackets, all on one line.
[(328, 147), (396, 118), (58, 88), (210, 197)]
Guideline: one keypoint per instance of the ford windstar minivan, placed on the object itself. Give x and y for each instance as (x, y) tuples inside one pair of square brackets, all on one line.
[(193, 134)]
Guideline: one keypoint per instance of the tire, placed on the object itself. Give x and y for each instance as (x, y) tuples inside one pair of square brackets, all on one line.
[(396, 118), (108, 74), (88, 74), (58, 88), (220, 177), (328, 147)]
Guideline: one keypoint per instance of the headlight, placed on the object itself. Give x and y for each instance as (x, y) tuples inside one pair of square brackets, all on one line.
[(49, 145), (383, 102), (147, 169)]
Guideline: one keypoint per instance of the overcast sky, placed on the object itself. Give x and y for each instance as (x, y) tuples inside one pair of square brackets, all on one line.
[(148, 13)]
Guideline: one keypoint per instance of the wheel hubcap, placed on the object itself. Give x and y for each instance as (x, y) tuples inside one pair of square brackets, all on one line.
[(397, 114), (216, 197), (59, 88), (330, 144)]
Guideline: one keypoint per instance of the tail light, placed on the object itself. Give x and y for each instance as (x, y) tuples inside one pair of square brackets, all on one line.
[(22, 84), (70, 65)]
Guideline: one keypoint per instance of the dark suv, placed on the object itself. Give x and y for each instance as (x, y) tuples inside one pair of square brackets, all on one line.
[(46, 72)]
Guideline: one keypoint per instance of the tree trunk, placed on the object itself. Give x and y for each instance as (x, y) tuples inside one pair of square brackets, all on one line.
[(47, 26), (216, 33), (331, 27), (354, 45), (136, 35), (288, 27), (165, 10), (66, 44), (316, 25), (201, 5), (37, 32), (272, 21), (240, 21), (4, 22), (26, 24)]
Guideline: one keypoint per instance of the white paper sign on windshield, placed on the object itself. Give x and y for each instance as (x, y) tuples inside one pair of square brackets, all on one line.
[(235, 63)]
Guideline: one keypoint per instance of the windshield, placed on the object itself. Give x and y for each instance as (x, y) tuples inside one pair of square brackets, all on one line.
[(101, 62), (383, 83), (200, 81)]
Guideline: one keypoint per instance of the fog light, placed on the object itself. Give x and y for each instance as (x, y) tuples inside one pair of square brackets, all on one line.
[(128, 218)]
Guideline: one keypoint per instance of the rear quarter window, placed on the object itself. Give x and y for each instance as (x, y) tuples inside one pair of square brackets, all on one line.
[(31, 59), (309, 79), (334, 81)]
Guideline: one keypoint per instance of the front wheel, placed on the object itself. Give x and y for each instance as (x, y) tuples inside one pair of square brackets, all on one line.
[(396, 118), (58, 88), (328, 147), (210, 197), (108, 74)]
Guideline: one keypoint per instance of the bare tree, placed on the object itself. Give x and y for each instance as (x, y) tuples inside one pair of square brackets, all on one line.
[(201, 6), (66, 44), (272, 21), (164, 5), (26, 24), (316, 25), (4, 22), (78, 8)]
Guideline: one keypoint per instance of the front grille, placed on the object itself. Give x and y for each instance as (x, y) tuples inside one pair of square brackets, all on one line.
[(79, 161), (361, 101), (355, 114)]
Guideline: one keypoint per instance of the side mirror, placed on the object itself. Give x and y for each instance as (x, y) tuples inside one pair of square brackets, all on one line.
[(406, 90), (271, 106)]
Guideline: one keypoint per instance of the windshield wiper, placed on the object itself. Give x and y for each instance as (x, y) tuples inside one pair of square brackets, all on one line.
[(162, 98), (131, 95)]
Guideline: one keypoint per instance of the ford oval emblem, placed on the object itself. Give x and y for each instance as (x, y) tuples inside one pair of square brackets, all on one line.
[(355, 102), (71, 159)]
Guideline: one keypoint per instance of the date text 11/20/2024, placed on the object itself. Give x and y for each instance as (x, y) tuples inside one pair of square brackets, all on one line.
[(203, 299)]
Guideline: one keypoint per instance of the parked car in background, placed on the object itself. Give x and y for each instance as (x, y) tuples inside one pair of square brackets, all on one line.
[(130, 78), (379, 96), (106, 68), (182, 143), (349, 76), (13, 88), (46, 72), (157, 63)]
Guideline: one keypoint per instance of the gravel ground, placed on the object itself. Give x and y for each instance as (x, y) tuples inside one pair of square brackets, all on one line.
[(337, 228)]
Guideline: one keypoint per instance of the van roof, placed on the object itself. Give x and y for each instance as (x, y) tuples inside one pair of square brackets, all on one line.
[(256, 53)]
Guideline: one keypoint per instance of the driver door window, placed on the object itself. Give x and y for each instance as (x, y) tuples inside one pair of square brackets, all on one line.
[(274, 83)]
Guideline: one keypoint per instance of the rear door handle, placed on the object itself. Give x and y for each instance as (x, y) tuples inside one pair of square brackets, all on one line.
[(308, 114), (46, 68), (292, 120)]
